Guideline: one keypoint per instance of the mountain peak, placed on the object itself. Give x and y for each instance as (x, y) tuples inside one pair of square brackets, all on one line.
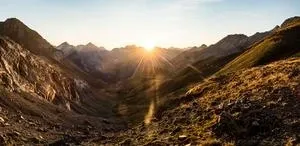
[(26, 37), (291, 21), (236, 36), (203, 46), (14, 20), (90, 44), (65, 44), (233, 39)]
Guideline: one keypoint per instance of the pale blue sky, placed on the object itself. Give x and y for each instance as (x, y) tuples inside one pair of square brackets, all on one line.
[(179, 23)]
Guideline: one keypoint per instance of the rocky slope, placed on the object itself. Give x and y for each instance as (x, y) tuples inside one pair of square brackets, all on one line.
[(26, 119), (36, 44), (39, 101), (22, 71), (258, 106)]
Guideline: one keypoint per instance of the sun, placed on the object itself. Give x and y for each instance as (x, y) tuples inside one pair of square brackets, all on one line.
[(149, 46)]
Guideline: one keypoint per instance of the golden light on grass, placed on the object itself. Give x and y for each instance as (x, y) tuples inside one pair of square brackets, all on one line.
[(149, 116), (154, 95)]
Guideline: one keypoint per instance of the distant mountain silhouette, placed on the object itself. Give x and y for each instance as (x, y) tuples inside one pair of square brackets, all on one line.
[(119, 63)]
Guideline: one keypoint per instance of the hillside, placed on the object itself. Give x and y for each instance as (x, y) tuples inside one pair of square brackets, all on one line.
[(32, 41), (22, 71), (231, 44), (39, 100), (195, 65), (258, 106), (243, 90), (137, 95), (283, 43), (199, 70), (194, 73)]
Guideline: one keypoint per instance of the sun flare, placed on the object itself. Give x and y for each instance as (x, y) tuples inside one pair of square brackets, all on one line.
[(149, 46)]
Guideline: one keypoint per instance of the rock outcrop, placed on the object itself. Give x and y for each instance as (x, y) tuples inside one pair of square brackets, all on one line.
[(22, 71)]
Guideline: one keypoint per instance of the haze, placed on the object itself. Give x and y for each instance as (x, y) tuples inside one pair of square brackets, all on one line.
[(165, 23)]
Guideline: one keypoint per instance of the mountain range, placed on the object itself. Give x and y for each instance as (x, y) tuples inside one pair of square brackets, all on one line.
[(243, 90)]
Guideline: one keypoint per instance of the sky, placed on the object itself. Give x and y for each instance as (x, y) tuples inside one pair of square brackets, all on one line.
[(164, 23)]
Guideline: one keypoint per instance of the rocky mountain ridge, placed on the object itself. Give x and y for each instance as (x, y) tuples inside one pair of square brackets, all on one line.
[(229, 45), (26, 37), (50, 102)]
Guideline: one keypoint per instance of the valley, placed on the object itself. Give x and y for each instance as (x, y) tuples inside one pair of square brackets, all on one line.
[(242, 90)]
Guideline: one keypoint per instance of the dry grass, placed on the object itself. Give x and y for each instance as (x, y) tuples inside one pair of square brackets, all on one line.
[(258, 106)]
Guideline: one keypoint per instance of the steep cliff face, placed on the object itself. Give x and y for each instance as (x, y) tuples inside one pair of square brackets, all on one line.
[(22, 71)]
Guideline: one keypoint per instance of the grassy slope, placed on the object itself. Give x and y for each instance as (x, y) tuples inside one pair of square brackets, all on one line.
[(195, 73), (258, 106), (284, 43), (137, 94)]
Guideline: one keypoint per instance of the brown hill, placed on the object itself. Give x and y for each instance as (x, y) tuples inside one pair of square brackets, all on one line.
[(258, 106)]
